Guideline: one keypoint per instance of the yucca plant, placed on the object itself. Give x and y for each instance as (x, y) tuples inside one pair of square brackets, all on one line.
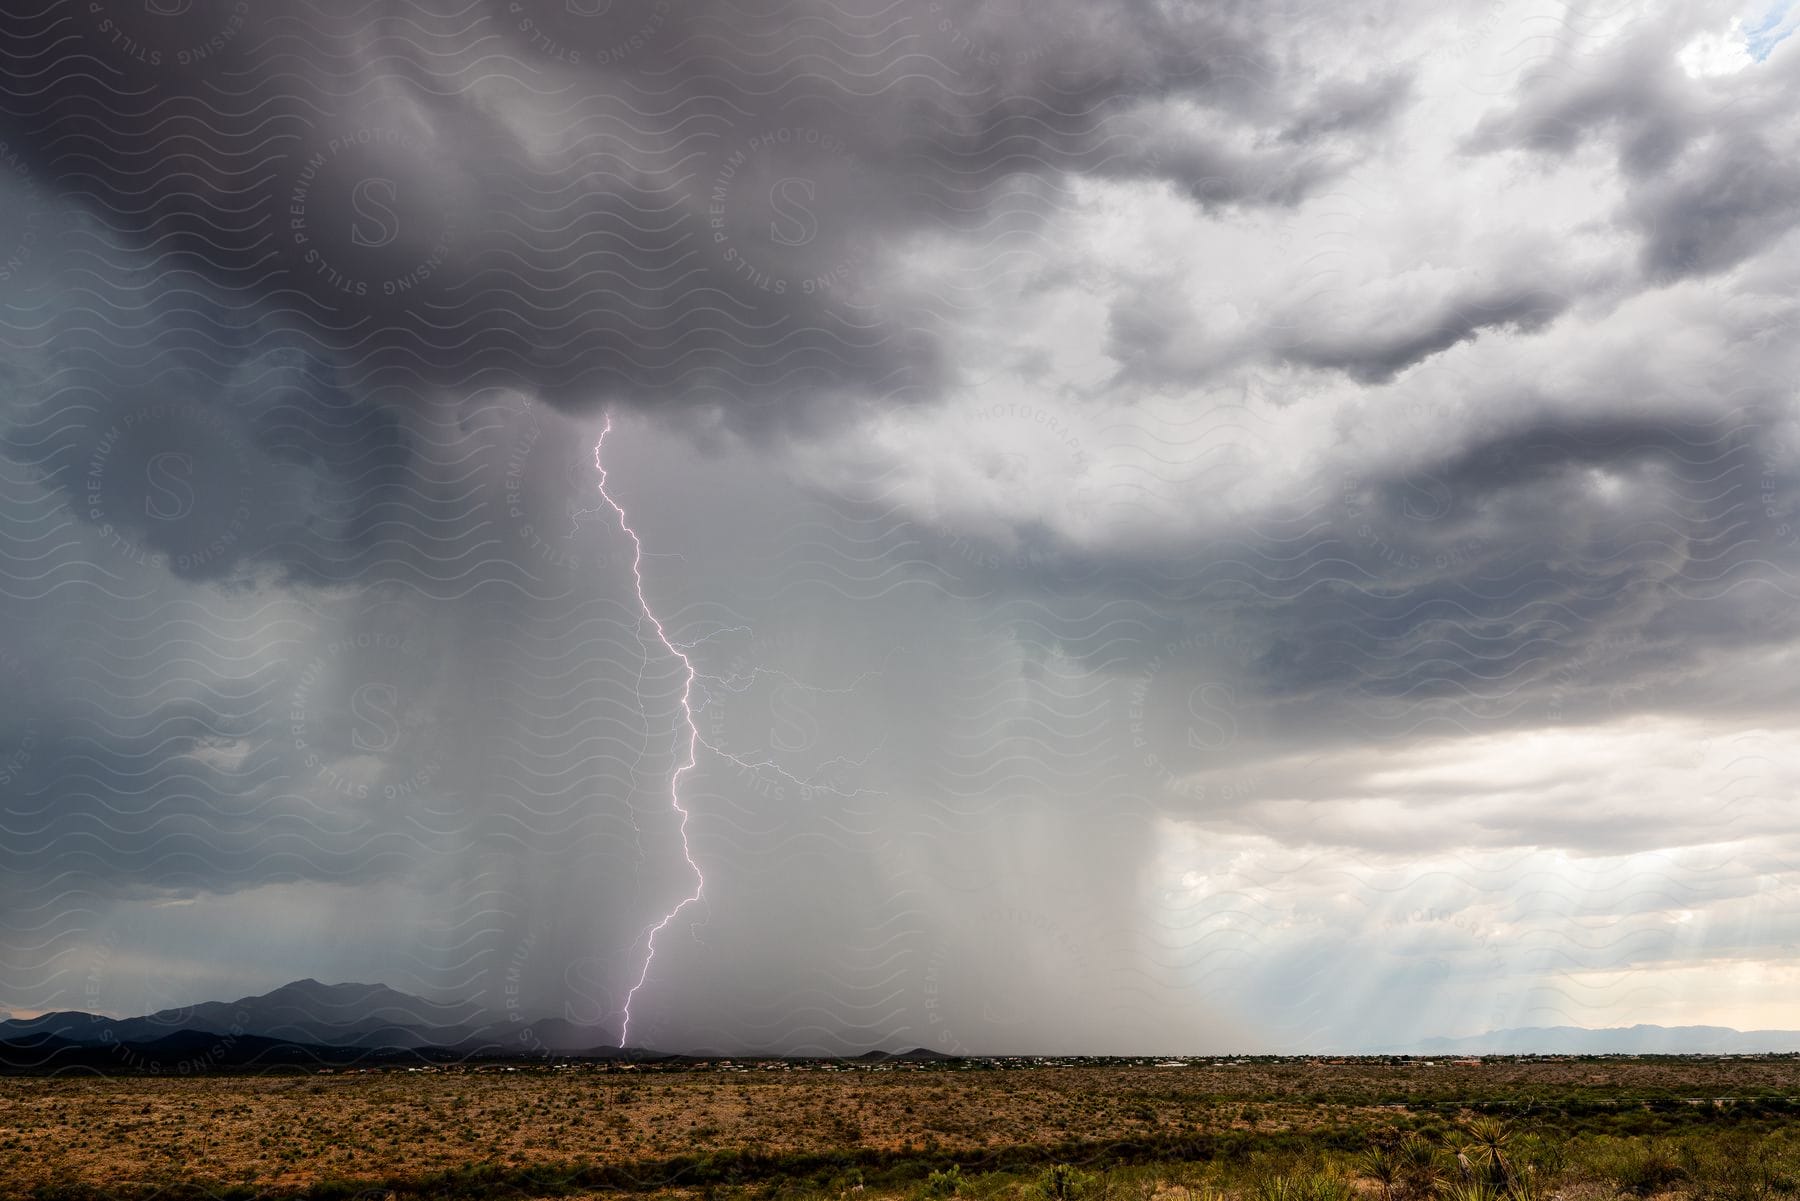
[(1485, 1150), (1382, 1165), (1422, 1168), (1274, 1188), (1537, 1164), (1303, 1186), (1469, 1190)]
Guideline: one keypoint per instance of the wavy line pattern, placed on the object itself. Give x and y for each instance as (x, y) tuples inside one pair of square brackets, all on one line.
[(1184, 540)]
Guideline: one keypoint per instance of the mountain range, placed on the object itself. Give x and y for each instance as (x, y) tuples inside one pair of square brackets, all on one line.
[(1615, 1040), (296, 1022), (307, 1022)]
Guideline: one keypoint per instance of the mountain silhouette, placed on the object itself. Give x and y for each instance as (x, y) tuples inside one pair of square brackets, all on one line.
[(307, 1022), (1615, 1040), (303, 1015)]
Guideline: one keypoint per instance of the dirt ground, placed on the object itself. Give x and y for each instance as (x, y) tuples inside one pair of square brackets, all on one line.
[(294, 1130)]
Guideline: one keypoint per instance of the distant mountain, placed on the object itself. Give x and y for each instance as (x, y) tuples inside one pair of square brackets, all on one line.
[(916, 1055), (1615, 1040), (307, 1022), (65, 1024), (308, 1014), (364, 1015), (188, 1052)]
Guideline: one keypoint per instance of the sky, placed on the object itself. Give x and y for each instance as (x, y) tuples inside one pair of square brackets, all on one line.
[(1196, 526)]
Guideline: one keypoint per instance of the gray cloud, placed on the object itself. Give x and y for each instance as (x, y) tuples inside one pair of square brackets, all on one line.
[(1704, 161), (1402, 340), (1351, 106), (1165, 507), (515, 198)]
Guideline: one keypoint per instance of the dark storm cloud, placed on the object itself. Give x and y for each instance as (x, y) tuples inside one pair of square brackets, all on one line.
[(297, 227), (1150, 568), (1707, 166), (1636, 93), (589, 209), (1717, 208), (511, 198), (1563, 560)]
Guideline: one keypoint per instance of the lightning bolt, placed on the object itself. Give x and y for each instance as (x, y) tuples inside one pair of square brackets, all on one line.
[(693, 740)]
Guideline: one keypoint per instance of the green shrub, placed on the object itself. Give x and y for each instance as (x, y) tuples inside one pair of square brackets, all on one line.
[(1382, 1165), (1422, 1166), (1469, 1190), (1302, 1186), (1735, 1168), (1486, 1150), (1061, 1182), (944, 1184), (1648, 1168)]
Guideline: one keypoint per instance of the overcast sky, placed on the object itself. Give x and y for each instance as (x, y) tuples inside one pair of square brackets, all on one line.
[(1197, 526)]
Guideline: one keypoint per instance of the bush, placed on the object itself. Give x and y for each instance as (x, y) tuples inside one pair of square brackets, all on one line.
[(944, 1184), (1735, 1168), (1302, 1186), (1649, 1168), (1469, 1190), (1382, 1165), (1060, 1182), (1421, 1166)]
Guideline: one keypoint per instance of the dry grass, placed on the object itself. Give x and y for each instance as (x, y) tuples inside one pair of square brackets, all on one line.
[(288, 1133)]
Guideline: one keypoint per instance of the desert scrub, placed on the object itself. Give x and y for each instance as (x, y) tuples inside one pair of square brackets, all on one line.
[(1315, 1185), (944, 1184), (1061, 1182), (1737, 1167), (1648, 1167)]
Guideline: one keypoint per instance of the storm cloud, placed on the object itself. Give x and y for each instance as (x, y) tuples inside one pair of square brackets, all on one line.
[(1197, 526)]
